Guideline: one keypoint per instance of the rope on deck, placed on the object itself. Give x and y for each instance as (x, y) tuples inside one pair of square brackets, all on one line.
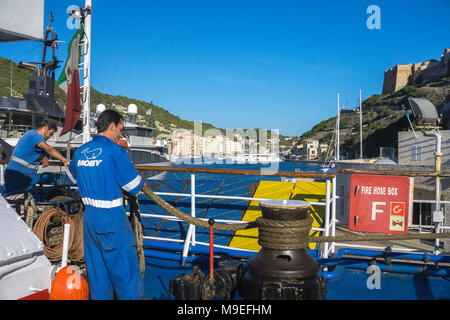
[(52, 252)]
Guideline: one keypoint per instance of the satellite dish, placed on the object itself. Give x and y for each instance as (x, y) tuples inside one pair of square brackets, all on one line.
[(100, 108), (132, 108)]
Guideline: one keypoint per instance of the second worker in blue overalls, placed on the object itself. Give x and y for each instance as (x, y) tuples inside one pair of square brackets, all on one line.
[(102, 169)]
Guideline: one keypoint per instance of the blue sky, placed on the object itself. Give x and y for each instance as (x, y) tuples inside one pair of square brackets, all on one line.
[(242, 64)]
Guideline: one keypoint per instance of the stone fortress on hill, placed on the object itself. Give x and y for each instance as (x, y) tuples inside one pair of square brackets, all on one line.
[(418, 74)]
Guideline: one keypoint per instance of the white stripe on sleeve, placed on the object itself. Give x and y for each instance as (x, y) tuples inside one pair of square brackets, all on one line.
[(132, 184)]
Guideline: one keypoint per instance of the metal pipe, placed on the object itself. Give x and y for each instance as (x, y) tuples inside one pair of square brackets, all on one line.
[(300, 174), (394, 255), (30, 66), (164, 255), (177, 247), (211, 248), (437, 169), (440, 272), (348, 245), (65, 248), (327, 218), (193, 205), (187, 244)]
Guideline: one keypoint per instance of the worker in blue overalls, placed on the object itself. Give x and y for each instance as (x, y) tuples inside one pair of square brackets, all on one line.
[(29, 153), (102, 169)]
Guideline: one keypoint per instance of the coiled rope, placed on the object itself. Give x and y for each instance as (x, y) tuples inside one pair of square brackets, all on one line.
[(76, 252), (52, 237), (51, 251), (284, 235)]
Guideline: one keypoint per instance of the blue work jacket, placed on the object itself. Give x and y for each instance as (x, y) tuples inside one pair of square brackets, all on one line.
[(102, 169), (27, 155)]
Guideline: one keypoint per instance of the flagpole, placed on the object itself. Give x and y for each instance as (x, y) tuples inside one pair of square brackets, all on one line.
[(87, 75)]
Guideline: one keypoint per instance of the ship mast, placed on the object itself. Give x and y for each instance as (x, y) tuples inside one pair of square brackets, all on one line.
[(87, 22)]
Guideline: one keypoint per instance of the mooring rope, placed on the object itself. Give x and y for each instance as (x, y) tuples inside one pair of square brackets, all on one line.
[(138, 230), (76, 252), (284, 235), (195, 221), (29, 205)]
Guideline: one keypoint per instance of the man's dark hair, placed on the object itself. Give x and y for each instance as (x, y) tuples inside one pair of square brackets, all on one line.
[(46, 123), (106, 118)]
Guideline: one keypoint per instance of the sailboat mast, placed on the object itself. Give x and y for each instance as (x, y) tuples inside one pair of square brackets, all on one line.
[(87, 75), (337, 128), (360, 127)]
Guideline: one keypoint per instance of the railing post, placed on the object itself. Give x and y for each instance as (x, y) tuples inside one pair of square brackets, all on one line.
[(190, 237), (327, 218), (333, 213), (193, 205)]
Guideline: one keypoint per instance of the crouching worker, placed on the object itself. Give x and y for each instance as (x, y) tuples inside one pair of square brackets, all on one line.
[(102, 169)]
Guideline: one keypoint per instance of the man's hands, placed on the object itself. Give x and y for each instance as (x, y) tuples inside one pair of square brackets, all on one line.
[(44, 162), (65, 163), (52, 152)]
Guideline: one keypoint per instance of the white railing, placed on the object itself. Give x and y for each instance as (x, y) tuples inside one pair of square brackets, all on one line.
[(329, 225)]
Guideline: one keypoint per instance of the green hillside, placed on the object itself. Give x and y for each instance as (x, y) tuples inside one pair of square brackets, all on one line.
[(383, 116), (165, 121)]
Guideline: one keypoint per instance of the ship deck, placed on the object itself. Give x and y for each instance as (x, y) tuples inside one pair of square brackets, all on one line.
[(413, 275)]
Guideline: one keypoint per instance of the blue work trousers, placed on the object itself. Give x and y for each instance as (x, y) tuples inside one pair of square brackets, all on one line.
[(110, 252), (15, 180)]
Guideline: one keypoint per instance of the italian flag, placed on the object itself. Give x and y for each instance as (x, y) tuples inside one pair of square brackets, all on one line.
[(69, 81)]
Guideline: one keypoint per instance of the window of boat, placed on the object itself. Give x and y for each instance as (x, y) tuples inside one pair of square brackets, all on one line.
[(139, 157), (422, 214), (20, 122)]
